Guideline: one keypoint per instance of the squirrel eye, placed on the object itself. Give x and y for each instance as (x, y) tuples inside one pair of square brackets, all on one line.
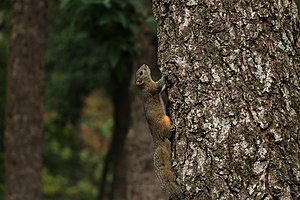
[(141, 73)]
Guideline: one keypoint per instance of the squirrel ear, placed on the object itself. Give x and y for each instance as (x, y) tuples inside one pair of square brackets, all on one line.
[(138, 82)]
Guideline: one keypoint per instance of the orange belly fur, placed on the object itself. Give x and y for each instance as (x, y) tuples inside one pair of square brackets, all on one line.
[(166, 121)]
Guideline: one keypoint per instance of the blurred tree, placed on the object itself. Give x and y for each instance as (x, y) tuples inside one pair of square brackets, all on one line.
[(4, 26), (234, 96), (90, 46), (24, 103)]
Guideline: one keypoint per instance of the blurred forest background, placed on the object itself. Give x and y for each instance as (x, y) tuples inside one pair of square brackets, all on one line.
[(89, 61), (89, 64)]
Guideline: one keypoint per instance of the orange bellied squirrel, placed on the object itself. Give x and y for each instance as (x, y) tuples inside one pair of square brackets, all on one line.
[(160, 125)]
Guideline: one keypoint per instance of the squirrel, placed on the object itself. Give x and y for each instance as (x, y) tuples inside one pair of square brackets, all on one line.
[(160, 126)]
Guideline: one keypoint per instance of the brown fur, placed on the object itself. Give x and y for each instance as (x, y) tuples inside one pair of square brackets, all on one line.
[(160, 125)]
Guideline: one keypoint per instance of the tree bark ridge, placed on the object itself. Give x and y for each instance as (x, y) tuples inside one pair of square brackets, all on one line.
[(234, 96)]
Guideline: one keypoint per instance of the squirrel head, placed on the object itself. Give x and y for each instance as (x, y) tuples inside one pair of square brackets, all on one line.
[(143, 75)]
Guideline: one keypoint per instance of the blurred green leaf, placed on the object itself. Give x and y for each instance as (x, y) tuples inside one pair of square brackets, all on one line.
[(64, 3)]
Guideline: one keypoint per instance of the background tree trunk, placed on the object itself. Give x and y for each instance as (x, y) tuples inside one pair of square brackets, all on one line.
[(23, 133), (115, 161), (234, 96)]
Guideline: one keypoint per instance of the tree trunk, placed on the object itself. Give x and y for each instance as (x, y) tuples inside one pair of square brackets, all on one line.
[(3, 67), (24, 103), (234, 96), (115, 162), (121, 102)]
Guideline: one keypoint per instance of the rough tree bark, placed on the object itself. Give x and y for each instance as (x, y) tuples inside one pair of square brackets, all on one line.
[(234, 96), (24, 103)]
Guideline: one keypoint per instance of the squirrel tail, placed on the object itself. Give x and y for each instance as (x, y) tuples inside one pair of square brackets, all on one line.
[(163, 170)]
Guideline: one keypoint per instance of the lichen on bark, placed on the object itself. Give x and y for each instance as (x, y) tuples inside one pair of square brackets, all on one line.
[(234, 96)]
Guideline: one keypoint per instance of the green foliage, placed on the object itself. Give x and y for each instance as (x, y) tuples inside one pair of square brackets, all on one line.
[(57, 187), (71, 169), (298, 5), (88, 41)]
